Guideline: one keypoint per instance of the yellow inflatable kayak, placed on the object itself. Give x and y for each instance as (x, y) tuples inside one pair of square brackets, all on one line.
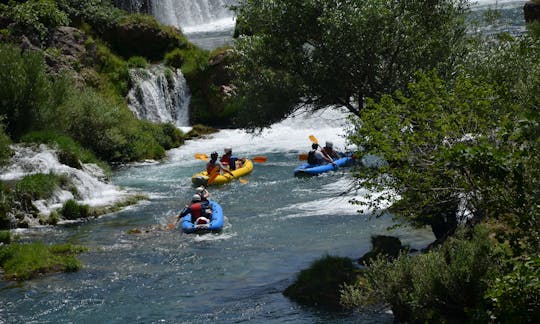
[(201, 178)]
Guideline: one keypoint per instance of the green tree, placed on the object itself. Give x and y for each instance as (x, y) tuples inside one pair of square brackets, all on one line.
[(324, 52)]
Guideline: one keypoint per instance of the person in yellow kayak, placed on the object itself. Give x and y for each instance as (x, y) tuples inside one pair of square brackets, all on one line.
[(228, 159), (213, 163)]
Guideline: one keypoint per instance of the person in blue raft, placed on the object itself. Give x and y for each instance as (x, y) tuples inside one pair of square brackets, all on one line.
[(316, 157), (200, 210)]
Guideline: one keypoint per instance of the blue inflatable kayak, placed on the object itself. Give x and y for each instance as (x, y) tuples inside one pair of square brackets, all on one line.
[(307, 169), (214, 226)]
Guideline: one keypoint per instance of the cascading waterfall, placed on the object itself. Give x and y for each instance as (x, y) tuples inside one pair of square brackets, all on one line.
[(89, 182), (160, 95), (188, 13)]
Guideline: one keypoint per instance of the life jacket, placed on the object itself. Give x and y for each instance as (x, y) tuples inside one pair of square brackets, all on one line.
[(226, 159), (311, 158), (210, 166), (196, 211)]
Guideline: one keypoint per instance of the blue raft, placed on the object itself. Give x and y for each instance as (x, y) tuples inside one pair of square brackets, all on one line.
[(307, 169), (215, 225)]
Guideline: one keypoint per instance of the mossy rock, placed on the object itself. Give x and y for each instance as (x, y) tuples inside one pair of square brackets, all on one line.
[(142, 35), (200, 131), (388, 246), (320, 284)]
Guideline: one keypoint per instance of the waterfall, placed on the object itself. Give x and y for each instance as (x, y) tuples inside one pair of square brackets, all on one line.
[(160, 95), (91, 186), (189, 13)]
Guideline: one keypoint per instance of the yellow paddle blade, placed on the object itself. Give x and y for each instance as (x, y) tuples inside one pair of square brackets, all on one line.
[(213, 175), (313, 139), (242, 180), (259, 159), (303, 157), (170, 226), (200, 156)]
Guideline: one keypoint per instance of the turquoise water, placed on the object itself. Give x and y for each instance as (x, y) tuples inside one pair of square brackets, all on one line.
[(276, 225)]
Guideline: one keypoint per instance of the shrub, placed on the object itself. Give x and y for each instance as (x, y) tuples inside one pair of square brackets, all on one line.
[(175, 58), (41, 186), (5, 150), (446, 284), (5, 237), (515, 297), (40, 16), (72, 210), (137, 62), (24, 88)]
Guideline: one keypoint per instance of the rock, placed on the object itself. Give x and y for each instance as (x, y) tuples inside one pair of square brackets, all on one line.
[(143, 36), (531, 11), (320, 284), (382, 245)]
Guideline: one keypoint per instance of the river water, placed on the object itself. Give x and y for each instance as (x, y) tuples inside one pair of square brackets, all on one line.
[(276, 225)]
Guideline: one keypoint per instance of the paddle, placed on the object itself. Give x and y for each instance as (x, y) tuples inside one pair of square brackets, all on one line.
[(314, 140), (303, 157), (259, 159), (173, 225), (213, 175)]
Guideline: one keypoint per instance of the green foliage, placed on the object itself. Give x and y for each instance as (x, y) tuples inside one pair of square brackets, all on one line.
[(320, 283), (515, 297), (41, 186), (24, 88), (114, 68), (446, 284), (175, 58), (39, 16), (5, 237), (72, 210), (100, 14), (5, 151), (26, 261), (338, 53), (137, 62)]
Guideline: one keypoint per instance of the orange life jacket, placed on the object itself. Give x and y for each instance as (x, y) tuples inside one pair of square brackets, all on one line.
[(210, 166)]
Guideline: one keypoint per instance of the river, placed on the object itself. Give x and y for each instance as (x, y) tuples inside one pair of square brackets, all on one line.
[(276, 225)]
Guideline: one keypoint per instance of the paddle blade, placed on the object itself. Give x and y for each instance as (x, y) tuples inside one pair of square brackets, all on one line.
[(303, 157), (259, 159), (242, 180), (170, 226), (213, 175), (313, 139), (200, 156)]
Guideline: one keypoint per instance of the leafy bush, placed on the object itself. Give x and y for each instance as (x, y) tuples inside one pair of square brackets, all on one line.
[(5, 151), (175, 58), (25, 261), (72, 210), (515, 297), (5, 237), (446, 284), (41, 186), (40, 16), (137, 62), (24, 88)]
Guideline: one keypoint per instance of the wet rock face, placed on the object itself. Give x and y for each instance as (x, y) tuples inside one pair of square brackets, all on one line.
[(531, 11)]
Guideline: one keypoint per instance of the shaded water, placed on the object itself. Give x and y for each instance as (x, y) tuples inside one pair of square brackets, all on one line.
[(276, 225)]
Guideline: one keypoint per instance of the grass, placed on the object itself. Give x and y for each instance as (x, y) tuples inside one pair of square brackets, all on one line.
[(40, 185), (29, 260)]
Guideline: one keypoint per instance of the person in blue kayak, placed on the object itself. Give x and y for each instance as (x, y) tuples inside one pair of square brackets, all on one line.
[(329, 151), (213, 163), (203, 192), (316, 157), (200, 211)]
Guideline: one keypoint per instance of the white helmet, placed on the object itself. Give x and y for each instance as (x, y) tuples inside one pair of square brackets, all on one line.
[(199, 189), (329, 144), (196, 197)]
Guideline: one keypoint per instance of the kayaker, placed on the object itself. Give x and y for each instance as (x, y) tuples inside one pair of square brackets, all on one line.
[(197, 209), (214, 162), (328, 149), (201, 191), (230, 160), (317, 157)]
